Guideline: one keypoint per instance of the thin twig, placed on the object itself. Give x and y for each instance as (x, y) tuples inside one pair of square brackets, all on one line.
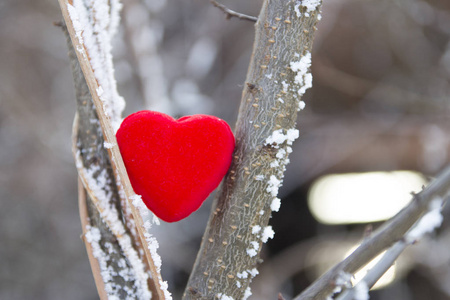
[(377, 271), (231, 13), (388, 234)]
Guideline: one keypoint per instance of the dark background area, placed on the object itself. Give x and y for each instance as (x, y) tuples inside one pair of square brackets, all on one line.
[(379, 102)]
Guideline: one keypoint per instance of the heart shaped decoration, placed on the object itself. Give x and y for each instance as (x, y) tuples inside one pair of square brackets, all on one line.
[(175, 164)]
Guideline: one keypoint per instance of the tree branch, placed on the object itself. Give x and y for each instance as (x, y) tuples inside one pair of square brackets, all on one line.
[(264, 131), (231, 13), (384, 237), (90, 31)]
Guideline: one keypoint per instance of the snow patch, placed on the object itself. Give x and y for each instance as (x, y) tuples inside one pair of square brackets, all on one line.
[(259, 177), (108, 145), (267, 234), (276, 204), (273, 185), (278, 137), (429, 222), (224, 297), (247, 293), (256, 229), (303, 78), (361, 291)]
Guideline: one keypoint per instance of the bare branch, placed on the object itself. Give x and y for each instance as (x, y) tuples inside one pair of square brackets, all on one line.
[(388, 234), (231, 13), (377, 271), (237, 227)]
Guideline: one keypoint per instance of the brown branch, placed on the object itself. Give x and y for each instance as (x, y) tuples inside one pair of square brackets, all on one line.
[(232, 241), (388, 234), (118, 173), (231, 13)]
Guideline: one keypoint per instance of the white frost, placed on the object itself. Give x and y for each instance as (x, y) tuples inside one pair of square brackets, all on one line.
[(259, 177), (253, 272), (303, 78), (301, 105), (361, 291), (267, 234), (429, 222), (224, 297), (278, 137), (251, 252), (242, 275), (108, 145), (273, 185), (95, 23), (256, 229), (247, 294), (276, 204)]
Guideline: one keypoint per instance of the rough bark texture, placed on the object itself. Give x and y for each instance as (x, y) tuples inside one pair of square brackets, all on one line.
[(146, 243), (243, 201), (89, 142)]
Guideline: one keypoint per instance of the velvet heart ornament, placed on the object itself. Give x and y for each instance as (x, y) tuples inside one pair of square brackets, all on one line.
[(175, 164)]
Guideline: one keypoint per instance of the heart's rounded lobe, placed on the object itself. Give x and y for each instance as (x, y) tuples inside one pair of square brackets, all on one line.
[(175, 164)]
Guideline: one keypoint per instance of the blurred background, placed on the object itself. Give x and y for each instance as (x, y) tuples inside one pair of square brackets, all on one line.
[(375, 128)]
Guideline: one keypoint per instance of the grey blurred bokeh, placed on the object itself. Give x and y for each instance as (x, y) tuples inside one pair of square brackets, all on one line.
[(380, 101)]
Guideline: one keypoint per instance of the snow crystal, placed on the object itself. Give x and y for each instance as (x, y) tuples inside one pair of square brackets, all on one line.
[(311, 5), (256, 229), (251, 252), (430, 221), (273, 185), (285, 86), (301, 105), (253, 272), (255, 244), (224, 297), (361, 291), (136, 200), (247, 294), (302, 78), (261, 212), (281, 153), (259, 177), (269, 76), (108, 145), (274, 164), (343, 279), (278, 137), (267, 234), (242, 275), (275, 205), (238, 284), (281, 100)]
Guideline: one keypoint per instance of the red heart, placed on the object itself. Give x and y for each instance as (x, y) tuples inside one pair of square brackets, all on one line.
[(175, 164)]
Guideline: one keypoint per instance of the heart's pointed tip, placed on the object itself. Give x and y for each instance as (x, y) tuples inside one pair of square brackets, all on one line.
[(175, 164)]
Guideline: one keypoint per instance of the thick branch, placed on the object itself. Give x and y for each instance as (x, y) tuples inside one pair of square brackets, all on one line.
[(270, 100), (388, 234)]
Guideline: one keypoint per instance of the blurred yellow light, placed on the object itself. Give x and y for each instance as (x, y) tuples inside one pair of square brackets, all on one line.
[(362, 197)]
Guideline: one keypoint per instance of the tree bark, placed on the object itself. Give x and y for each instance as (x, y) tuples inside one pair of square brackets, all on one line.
[(232, 241)]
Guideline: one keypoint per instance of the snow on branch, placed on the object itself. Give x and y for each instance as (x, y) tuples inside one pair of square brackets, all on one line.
[(91, 25)]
